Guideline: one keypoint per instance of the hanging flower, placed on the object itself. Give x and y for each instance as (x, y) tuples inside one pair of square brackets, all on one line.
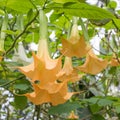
[(75, 45), (42, 69), (20, 55), (68, 72), (114, 62), (93, 64), (43, 74), (56, 94), (72, 116)]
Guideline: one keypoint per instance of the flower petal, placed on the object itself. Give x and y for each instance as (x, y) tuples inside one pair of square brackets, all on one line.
[(78, 49), (93, 64), (68, 73), (38, 70), (115, 62)]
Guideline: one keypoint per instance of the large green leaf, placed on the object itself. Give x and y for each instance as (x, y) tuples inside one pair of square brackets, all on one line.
[(40, 2), (97, 117), (82, 10), (20, 101), (116, 23), (3, 2), (117, 109), (104, 102), (2, 12), (19, 5), (64, 1), (21, 86), (94, 108), (64, 108)]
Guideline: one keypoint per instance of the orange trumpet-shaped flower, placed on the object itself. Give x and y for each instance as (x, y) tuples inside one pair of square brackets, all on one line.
[(76, 45), (72, 116), (68, 72), (115, 62), (43, 69), (93, 64), (40, 96)]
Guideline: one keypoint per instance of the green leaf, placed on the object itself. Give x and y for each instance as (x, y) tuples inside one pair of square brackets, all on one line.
[(19, 5), (112, 4), (118, 11), (117, 109), (10, 32), (100, 22), (54, 16), (109, 25), (83, 112), (83, 10), (98, 117), (92, 100), (40, 2), (117, 23), (64, 108), (2, 81), (20, 102), (3, 2), (104, 102), (64, 1), (95, 108), (21, 86), (30, 15), (2, 12)]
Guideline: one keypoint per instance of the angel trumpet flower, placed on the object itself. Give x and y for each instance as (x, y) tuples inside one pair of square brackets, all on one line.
[(76, 45), (114, 61), (72, 116), (93, 64), (44, 71), (68, 73), (21, 56), (59, 95)]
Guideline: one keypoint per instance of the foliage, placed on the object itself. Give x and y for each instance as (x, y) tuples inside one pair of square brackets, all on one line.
[(97, 95)]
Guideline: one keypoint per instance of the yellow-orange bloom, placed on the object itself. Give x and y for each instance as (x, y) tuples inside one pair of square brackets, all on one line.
[(78, 49), (72, 116), (43, 69), (43, 73), (68, 73), (75, 45), (115, 62), (57, 96), (93, 64)]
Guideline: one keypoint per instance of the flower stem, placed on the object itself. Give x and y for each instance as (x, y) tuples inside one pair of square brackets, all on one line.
[(3, 34), (43, 25), (85, 32)]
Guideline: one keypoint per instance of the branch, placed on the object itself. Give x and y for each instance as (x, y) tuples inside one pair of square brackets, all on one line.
[(116, 55), (15, 41), (4, 85)]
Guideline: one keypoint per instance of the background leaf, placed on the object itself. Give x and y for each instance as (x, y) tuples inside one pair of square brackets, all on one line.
[(20, 6), (20, 102), (64, 108), (85, 11)]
